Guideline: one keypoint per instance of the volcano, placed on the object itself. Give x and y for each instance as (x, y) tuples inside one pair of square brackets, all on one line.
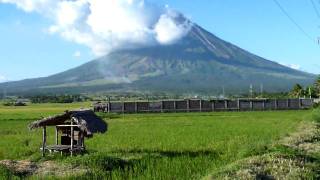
[(199, 62)]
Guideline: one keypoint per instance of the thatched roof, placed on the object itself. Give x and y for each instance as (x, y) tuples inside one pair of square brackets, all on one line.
[(88, 121)]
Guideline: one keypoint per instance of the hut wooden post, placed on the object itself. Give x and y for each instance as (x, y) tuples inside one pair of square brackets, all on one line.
[(44, 140), (71, 146), (82, 140), (57, 134)]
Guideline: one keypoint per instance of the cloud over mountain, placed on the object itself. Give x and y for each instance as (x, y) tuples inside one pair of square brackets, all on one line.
[(107, 25)]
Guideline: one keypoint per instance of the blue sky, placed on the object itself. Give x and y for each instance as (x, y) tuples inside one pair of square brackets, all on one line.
[(27, 49)]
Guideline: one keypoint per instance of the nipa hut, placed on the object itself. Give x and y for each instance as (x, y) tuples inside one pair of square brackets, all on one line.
[(72, 127)]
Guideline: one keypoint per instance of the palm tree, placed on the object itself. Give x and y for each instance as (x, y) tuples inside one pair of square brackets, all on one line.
[(297, 91), (317, 86)]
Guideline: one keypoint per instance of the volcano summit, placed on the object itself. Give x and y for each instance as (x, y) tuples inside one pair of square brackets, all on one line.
[(198, 62)]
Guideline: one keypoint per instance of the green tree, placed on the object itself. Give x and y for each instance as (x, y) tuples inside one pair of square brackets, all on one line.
[(317, 86), (297, 91)]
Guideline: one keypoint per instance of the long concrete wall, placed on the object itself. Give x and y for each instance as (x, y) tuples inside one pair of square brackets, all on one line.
[(204, 105)]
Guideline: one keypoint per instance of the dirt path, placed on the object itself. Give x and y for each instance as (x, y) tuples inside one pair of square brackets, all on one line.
[(25, 168)]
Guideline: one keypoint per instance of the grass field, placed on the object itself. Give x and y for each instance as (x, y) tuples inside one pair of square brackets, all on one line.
[(152, 146)]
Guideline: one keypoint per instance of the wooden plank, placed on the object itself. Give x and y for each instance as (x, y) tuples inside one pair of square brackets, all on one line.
[(68, 126), (63, 148)]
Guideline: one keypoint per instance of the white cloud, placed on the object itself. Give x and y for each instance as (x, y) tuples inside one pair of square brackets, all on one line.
[(77, 54), (107, 25), (3, 78), (168, 30), (27, 5)]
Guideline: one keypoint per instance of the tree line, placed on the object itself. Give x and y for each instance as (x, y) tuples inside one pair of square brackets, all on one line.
[(58, 98)]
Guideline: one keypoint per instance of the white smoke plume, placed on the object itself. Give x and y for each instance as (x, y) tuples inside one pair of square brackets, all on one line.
[(107, 25)]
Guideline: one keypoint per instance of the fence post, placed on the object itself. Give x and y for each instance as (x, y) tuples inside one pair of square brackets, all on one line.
[(162, 106), (136, 107), (288, 104), (251, 104), (188, 105), (200, 105), (238, 104), (264, 104), (123, 104), (174, 106), (225, 104), (275, 104), (212, 105), (300, 103)]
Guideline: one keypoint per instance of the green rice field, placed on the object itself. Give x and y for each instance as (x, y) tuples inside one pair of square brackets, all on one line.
[(150, 146)]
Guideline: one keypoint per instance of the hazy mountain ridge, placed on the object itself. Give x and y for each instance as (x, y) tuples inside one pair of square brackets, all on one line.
[(200, 62)]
